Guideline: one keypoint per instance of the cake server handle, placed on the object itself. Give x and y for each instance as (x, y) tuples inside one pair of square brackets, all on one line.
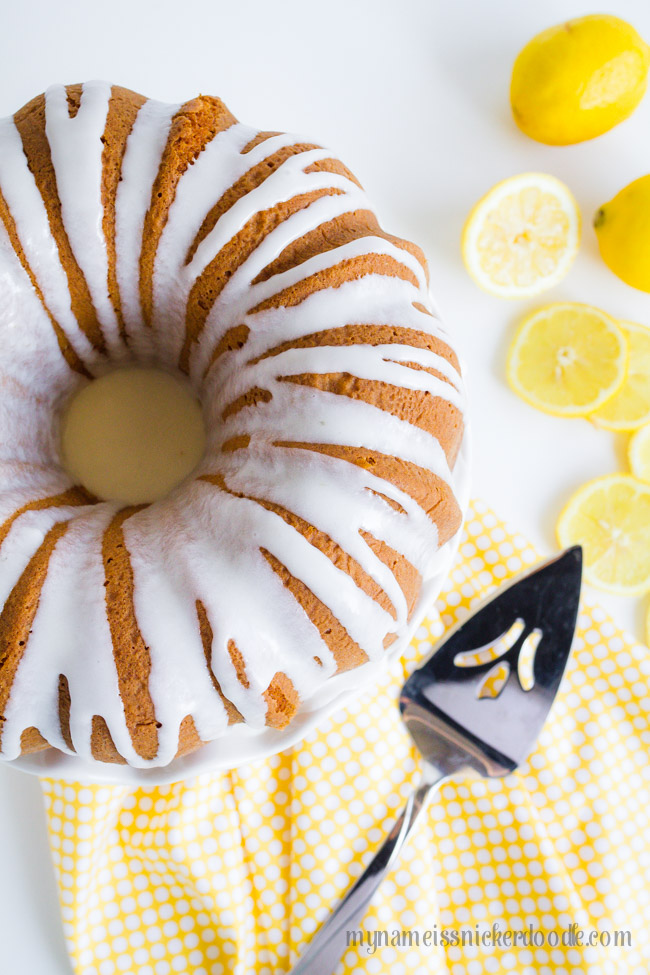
[(328, 945)]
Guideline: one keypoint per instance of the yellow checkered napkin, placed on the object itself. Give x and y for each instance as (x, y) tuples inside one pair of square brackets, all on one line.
[(230, 873)]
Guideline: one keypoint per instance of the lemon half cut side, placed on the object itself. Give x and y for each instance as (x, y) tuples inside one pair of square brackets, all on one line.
[(522, 236)]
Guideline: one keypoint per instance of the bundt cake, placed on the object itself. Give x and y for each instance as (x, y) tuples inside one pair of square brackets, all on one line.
[(136, 232)]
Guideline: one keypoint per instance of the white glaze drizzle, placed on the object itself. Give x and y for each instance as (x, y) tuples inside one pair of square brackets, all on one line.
[(201, 543), (32, 225), (144, 148), (76, 149)]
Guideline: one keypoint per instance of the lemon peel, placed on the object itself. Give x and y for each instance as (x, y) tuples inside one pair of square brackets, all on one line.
[(579, 79), (623, 230)]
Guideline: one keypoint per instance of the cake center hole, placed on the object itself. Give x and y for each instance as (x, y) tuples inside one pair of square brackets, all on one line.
[(132, 435)]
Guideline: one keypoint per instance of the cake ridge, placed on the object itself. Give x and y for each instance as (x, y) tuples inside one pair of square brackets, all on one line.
[(67, 349), (249, 181), (123, 108), (130, 652), (320, 540), (213, 279), (31, 123), (194, 126), (18, 615), (351, 269)]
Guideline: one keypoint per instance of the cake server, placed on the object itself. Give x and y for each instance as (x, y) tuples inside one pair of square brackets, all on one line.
[(476, 705)]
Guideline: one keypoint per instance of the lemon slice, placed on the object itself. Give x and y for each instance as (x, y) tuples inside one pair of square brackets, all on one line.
[(522, 236), (630, 407), (639, 453), (567, 359), (610, 518)]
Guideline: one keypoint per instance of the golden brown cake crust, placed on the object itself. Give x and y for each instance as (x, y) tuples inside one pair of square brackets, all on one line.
[(195, 124), (30, 122), (123, 109), (132, 659)]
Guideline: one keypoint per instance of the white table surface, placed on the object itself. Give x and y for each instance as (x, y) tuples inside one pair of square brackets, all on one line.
[(413, 95)]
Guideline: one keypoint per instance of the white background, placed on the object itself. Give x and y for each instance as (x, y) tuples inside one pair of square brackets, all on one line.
[(414, 97)]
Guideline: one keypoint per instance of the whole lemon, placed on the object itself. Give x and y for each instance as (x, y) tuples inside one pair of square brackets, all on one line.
[(623, 231), (579, 79)]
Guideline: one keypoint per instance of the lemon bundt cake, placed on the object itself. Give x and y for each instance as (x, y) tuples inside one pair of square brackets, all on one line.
[(136, 232)]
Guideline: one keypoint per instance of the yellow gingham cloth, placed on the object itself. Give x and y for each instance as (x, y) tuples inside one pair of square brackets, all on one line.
[(230, 873)]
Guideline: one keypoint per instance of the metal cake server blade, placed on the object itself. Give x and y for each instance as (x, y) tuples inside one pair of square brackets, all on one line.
[(477, 704), (527, 627)]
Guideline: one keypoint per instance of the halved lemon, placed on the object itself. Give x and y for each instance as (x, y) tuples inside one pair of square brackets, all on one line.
[(630, 407), (638, 453), (521, 238), (567, 359), (610, 518)]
